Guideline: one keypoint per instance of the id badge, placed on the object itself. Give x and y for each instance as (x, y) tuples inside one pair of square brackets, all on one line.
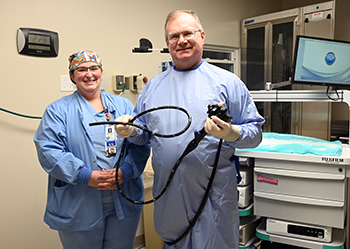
[(110, 141)]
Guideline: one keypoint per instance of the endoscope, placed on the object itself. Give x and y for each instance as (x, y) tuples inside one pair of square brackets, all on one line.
[(213, 110)]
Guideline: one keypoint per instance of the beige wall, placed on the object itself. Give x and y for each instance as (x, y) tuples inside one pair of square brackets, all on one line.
[(300, 3), (109, 27)]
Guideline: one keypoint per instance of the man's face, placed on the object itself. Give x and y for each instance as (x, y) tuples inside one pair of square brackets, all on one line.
[(186, 53)]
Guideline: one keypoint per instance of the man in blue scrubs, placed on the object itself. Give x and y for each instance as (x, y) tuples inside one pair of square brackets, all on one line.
[(193, 84)]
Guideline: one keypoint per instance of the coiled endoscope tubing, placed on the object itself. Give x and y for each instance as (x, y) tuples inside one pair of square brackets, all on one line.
[(131, 122), (220, 112)]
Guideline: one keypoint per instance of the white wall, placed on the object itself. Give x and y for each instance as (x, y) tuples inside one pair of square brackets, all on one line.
[(28, 84)]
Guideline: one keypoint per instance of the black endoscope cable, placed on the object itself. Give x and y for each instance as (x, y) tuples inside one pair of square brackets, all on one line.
[(131, 122), (216, 110)]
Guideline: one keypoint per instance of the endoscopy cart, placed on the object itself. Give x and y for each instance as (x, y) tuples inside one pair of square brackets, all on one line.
[(306, 189), (248, 221)]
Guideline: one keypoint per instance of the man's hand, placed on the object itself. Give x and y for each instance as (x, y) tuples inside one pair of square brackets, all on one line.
[(217, 127), (124, 131)]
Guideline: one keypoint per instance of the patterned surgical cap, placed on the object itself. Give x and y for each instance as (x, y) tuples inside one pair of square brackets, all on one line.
[(79, 57)]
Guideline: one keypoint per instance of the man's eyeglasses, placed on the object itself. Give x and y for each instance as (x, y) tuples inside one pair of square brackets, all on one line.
[(92, 69), (188, 35)]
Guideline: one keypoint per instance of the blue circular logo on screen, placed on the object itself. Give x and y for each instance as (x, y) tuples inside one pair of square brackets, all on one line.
[(330, 58)]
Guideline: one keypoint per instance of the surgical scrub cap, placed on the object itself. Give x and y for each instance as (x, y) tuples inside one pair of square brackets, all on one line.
[(79, 57)]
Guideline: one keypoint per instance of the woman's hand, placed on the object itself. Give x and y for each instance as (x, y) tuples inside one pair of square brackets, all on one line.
[(107, 179)]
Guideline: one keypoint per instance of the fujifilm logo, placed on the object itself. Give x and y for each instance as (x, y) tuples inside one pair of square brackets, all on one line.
[(332, 160)]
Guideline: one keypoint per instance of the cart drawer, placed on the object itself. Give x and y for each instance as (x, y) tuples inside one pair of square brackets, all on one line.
[(300, 183), (299, 209)]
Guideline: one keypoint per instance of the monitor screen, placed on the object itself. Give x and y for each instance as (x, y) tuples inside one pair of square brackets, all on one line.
[(319, 61)]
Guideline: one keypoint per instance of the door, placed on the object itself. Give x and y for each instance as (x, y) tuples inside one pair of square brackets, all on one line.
[(267, 52)]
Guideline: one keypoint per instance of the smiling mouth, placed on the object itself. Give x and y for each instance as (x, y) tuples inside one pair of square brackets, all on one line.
[(183, 49)]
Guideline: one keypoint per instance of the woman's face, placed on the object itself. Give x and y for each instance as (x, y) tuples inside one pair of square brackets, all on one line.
[(87, 76)]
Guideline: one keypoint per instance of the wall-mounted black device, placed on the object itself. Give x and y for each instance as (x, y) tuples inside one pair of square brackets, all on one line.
[(37, 42)]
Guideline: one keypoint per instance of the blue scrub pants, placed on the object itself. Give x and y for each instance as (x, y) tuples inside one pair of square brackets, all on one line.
[(116, 234)]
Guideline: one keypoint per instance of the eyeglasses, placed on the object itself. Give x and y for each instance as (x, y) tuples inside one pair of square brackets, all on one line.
[(188, 35), (92, 69)]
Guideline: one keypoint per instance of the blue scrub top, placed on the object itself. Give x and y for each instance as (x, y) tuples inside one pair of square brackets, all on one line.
[(65, 146)]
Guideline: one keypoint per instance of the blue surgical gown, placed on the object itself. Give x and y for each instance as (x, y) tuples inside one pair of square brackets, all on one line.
[(64, 145), (218, 225)]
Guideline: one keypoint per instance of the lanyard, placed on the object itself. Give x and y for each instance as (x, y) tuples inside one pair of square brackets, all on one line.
[(110, 136)]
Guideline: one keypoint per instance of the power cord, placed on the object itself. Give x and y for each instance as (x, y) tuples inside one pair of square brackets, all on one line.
[(336, 92), (21, 115), (122, 83)]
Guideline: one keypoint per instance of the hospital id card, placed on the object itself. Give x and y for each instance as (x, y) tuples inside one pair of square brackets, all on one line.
[(110, 141)]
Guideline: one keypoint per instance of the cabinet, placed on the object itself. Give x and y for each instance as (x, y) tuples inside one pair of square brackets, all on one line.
[(267, 56), (299, 191), (303, 189), (267, 52), (248, 221)]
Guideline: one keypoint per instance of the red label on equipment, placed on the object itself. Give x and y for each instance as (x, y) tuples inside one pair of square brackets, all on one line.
[(268, 180)]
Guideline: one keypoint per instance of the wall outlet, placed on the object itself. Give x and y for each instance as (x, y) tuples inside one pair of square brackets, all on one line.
[(118, 83), (132, 80), (66, 85)]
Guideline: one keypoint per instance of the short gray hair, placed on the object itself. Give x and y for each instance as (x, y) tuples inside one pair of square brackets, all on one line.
[(174, 13)]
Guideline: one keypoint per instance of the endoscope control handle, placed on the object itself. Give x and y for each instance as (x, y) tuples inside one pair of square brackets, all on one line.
[(219, 111), (198, 136), (213, 110)]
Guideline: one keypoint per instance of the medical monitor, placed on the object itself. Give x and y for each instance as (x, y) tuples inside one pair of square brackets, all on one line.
[(319, 61)]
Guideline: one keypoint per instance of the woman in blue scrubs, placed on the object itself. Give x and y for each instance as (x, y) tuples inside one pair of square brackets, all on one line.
[(82, 202)]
